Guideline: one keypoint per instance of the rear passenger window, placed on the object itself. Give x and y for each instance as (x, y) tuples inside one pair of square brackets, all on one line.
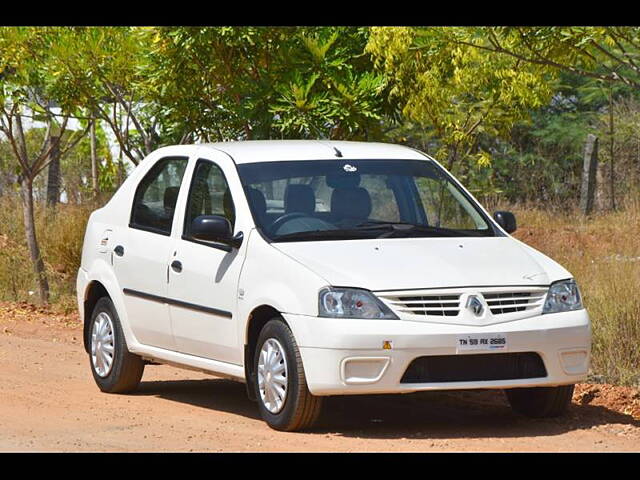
[(155, 199)]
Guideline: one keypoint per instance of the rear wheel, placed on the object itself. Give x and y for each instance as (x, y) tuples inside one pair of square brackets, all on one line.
[(114, 368), (284, 400), (540, 402)]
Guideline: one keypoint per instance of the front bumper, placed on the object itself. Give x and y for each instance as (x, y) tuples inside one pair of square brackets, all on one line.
[(345, 357)]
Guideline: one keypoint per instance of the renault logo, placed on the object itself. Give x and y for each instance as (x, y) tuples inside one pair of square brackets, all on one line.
[(475, 305)]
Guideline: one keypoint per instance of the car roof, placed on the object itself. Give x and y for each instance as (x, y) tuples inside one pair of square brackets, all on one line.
[(250, 151)]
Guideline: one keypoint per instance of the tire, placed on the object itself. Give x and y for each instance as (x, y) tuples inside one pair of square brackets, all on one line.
[(124, 372), (540, 402), (299, 409)]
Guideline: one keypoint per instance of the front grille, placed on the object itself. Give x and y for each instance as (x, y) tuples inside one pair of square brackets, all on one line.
[(448, 303), (439, 305), (474, 368), (509, 302)]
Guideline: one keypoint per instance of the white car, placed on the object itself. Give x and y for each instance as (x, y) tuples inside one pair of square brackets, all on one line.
[(315, 268)]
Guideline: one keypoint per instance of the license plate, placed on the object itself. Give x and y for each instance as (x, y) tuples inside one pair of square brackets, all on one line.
[(482, 341)]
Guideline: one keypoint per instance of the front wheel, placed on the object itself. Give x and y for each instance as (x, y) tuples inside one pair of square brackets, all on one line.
[(114, 368), (540, 402), (284, 400)]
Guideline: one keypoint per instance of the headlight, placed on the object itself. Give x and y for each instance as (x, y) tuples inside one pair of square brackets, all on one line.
[(563, 296), (351, 303)]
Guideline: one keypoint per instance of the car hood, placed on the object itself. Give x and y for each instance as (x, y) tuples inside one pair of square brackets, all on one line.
[(418, 263)]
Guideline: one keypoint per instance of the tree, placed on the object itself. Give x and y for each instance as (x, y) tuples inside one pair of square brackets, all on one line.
[(456, 92), (27, 90), (609, 54), (104, 69), (77, 174), (329, 87), (229, 83)]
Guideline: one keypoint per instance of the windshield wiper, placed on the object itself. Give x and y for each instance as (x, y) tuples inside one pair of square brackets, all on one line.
[(334, 234), (399, 228), (389, 229)]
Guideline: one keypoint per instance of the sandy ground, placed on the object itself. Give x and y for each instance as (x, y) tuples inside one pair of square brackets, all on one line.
[(49, 402)]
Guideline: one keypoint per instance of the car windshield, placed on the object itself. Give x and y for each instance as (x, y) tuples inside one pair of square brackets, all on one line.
[(353, 199)]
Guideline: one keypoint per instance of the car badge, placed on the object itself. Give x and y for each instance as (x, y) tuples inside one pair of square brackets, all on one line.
[(475, 305), (349, 168)]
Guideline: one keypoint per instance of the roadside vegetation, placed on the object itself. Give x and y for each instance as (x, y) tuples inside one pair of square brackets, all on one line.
[(603, 254), (506, 109)]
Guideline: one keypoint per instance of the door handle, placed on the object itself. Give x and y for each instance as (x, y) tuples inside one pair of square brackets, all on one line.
[(176, 265), (119, 250)]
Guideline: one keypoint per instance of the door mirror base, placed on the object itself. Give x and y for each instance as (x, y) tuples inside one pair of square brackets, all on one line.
[(236, 240)]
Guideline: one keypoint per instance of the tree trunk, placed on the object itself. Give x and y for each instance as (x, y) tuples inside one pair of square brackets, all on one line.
[(121, 170), (32, 242), (53, 178), (94, 159), (611, 153), (589, 170)]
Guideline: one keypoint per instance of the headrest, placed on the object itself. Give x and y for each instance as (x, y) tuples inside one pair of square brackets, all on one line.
[(299, 198), (343, 180), (257, 200), (352, 202), (171, 197)]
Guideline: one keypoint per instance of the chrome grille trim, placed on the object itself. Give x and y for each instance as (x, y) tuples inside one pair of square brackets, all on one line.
[(504, 303), (509, 302), (437, 305)]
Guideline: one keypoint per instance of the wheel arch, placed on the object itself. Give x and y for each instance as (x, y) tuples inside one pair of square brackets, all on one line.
[(94, 292), (257, 319)]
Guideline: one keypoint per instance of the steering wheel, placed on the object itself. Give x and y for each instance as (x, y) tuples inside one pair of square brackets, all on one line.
[(273, 228)]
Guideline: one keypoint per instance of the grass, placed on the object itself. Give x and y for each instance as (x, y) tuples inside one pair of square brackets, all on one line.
[(60, 233), (602, 252)]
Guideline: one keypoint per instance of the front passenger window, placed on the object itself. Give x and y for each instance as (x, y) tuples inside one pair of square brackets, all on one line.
[(209, 195), (155, 199)]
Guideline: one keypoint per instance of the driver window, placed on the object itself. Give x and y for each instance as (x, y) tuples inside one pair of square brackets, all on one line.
[(209, 195)]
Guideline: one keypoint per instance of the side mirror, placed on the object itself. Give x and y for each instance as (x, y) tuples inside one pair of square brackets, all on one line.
[(506, 220), (214, 228)]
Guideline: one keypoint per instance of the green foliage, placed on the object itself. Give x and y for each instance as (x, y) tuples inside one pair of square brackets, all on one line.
[(104, 68), (27, 70), (257, 82), (456, 92), (605, 53), (489, 102)]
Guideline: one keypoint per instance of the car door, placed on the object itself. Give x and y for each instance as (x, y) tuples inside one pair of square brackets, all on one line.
[(203, 278), (142, 251)]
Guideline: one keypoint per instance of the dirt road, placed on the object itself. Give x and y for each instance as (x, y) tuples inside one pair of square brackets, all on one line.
[(49, 402)]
